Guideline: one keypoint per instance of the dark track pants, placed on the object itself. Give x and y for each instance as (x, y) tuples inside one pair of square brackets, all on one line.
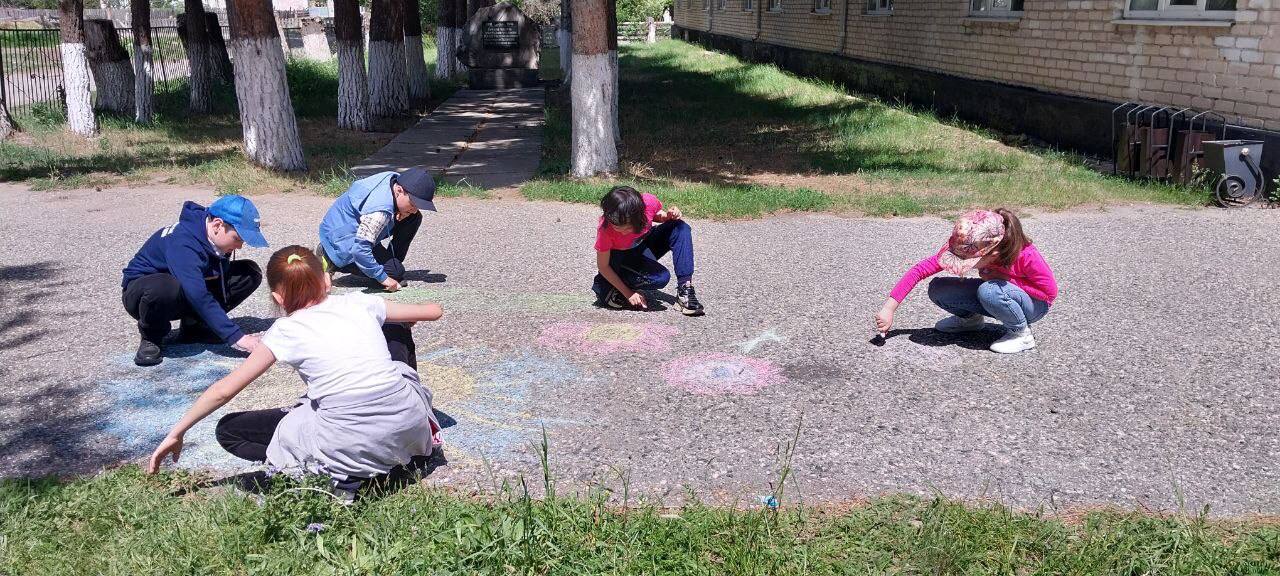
[(156, 300), (639, 267)]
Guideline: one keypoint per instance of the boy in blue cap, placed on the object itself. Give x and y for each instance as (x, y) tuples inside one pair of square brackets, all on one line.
[(375, 208), (184, 272)]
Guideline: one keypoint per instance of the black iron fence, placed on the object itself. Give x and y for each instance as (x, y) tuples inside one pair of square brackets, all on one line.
[(31, 61)]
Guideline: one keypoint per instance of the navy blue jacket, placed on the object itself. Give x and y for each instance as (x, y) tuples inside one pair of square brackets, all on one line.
[(184, 251)]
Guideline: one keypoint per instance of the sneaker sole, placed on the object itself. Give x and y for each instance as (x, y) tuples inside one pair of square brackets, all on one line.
[(688, 312), (144, 363)]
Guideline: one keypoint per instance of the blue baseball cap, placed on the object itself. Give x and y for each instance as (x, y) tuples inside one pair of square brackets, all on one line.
[(242, 215)]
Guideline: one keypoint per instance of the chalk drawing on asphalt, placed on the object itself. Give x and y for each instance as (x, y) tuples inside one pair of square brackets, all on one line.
[(472, 299), (607, 338), (718, 374), (492, 397), (765, 337)]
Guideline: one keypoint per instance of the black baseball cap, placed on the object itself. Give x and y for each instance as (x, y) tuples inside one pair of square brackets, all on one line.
[(420, 186)]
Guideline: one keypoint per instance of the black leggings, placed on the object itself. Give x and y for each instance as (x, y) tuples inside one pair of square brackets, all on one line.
[(247, 434)]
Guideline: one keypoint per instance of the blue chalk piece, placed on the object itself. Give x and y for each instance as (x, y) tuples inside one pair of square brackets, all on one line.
[(769, 502)]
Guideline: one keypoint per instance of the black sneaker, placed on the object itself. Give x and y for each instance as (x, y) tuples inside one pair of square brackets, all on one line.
[(615, 300), (688, 301), (148, 354)]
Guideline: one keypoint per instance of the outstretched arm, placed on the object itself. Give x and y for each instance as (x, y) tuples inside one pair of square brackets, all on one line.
[(401, 312), (633, 297), (215, 397)]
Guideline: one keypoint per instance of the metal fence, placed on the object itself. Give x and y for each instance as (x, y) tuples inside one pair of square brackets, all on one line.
[(31, 61)]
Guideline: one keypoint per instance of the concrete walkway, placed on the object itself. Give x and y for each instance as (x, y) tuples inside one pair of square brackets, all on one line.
[(483, 138)]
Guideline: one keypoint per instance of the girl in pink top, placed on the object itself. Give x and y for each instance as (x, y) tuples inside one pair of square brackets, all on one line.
[(635, 230), (1015, 285)]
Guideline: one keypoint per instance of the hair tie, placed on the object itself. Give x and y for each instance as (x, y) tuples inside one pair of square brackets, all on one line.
[(293, 258)]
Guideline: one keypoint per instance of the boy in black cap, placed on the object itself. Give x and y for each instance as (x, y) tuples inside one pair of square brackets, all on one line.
[(384, 205), (185, 272)]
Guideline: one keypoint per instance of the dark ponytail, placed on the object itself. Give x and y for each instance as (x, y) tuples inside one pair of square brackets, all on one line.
[(623, 206), (1010, 247)]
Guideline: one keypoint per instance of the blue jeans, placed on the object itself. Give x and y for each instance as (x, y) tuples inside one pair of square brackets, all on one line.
[(639, 267), (999, 299)]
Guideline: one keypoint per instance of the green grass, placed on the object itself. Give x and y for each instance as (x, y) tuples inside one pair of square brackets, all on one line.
[(181, 149), (122, 522), (697, 200), (692, 117)]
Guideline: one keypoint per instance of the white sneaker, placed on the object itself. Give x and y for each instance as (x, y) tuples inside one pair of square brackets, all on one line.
[(1014, 342), (956, 324)]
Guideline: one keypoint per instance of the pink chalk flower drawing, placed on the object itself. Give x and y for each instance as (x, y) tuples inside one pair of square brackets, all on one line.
[(595, 338), (717, 374)]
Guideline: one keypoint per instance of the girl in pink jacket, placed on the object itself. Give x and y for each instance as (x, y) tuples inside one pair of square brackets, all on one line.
[(1015, 285)]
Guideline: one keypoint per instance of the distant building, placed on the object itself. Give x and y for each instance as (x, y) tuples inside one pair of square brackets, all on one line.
[(1050, 68)]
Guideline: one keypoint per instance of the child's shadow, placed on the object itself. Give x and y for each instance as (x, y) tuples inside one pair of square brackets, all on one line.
[(175, 348), (976, 340), (361, 281)]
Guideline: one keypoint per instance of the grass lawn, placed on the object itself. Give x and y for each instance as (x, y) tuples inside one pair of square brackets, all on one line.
[(723, 137), (182, 150), (122, 522)]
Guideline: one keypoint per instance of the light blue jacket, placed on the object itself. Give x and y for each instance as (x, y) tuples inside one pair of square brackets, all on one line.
[(338, 229)]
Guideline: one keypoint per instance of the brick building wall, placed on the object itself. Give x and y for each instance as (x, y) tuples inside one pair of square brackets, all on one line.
[(1071, 47)]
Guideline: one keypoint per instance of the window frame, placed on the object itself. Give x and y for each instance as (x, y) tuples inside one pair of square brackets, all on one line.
[(748, 5), (775, 6), (1190, 13), (880, 9), (821, 10), (999, 12), (722, 5), (706, 5)]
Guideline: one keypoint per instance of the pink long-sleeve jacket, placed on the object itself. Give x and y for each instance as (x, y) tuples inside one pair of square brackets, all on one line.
[(1029, 272)]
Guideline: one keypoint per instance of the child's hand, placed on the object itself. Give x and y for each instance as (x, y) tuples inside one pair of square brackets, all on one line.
[(170, 445), (674, 213), (636, 299), (247, 343), (390, 284), (884, 318)]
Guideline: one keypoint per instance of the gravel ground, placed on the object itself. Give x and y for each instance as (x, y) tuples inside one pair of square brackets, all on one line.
[(1153, 386)]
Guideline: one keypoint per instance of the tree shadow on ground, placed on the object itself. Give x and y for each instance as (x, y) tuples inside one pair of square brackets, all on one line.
[(48, 424), (742, 120)]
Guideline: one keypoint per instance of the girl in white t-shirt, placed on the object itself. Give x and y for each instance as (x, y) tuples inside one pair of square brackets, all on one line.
[(364, 411)]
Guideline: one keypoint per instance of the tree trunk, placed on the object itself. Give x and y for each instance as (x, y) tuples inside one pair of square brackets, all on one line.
[(6, 121), (314, 42), (196, 41), (461, 18), (650, 31), (109, 62), (75, 68), (565, 38), (415, 61), (612, 13), (219, 57), (143, 83), (353, 85), (388, 90), (448, 26), (270, 128), (593, 145)]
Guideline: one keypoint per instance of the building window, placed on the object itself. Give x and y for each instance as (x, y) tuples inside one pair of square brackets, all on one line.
[(1182, 9), (775, 5), (748, 5), (879, 6), (995, 7), (721, 4), (822, 6), (706, 5)]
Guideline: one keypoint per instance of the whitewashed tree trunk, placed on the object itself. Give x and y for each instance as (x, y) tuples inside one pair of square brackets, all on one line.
[(353, 87), (445, 56), (416, 69), (315, 44), (143, 83), (270, 128), (75, 75), (593, 142), (651, 31), (565, 37), (613, 96), (388, 91), (6, 121)]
